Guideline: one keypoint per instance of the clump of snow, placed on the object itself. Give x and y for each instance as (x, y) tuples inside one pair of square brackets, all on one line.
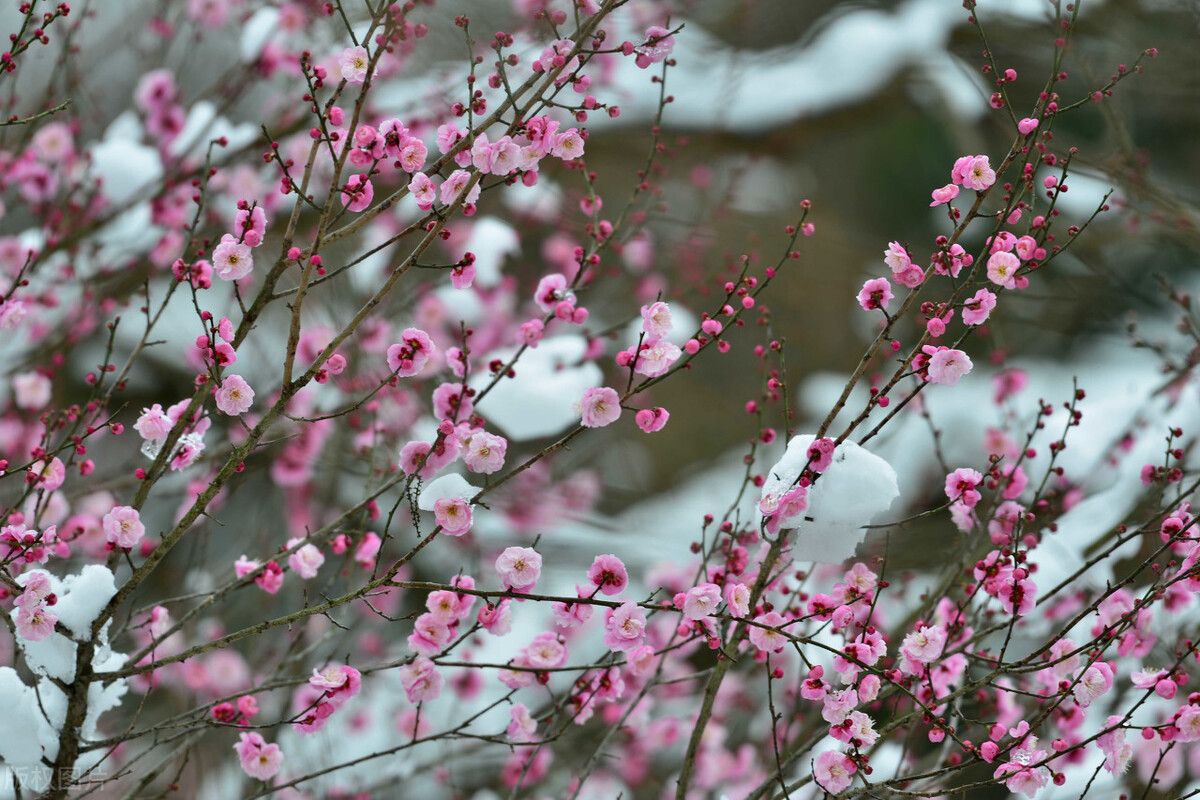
[(125, 168), (84, 597), (856, 486), (540, 400), (453, 486), (21, 714)]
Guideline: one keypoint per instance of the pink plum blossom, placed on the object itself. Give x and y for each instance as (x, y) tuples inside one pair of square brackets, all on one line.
[(123, 527), (737, 597), (947, 366), (701, 601), (656, 321), (961, 485), (411, 354), (651, 420), (421, 680), (35, 623), (833, 771), (944, 195), (306, 560), (358, 194), (519, 567), (453, 514), (485, 453), (354, 63), (523, 727), (423, 190), (600, 406), (231, 259), (875, 293), (978, 308), (259, 759), (608, 574), (234, 396), (1002, 269), (978, 174), (764, 637), (624, 627)]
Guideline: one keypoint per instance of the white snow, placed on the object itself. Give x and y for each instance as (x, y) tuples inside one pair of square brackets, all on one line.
[(540, 400), (491, 240), (856, 486), (452, 486)]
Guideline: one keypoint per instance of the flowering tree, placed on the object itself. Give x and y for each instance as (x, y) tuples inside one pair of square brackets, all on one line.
[(331, 557)]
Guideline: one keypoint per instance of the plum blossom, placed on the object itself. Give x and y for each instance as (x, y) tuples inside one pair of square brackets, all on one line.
[(657, 47), (925, 645), (651, 420), (656, 321), (358, 193), (875, 293), (608, 574), (411, 354), (656, 359), (453, 514), (737, 596), (1018, 775), (523, 727), (1187, 722), (306, 560), (701, 601), (1002, 269), (31, 390), (354, 63), (978, 308), (897, 258), (259, 759), (123, 527), (485, 453), (234, 396), (764, 637), (961, 485), (35, 623), (231, 259), (600, 406), (624, 627), (519, 567), (423, 190), (1117, 751), (976, 173), (944, 195), (421, 680), (834, 771), (947, 366)]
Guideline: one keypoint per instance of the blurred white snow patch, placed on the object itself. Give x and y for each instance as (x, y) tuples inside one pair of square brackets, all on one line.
[(762, 185), (1083, 195), (951, 85), (461, 304), (257, 31), (130, 234), (125, 168), (202, 126), (491, 240), (543, 201), (856, 486), (540, 400), (452, 486)]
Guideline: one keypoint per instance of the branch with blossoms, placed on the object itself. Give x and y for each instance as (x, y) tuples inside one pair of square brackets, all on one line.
[(363, 422)]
